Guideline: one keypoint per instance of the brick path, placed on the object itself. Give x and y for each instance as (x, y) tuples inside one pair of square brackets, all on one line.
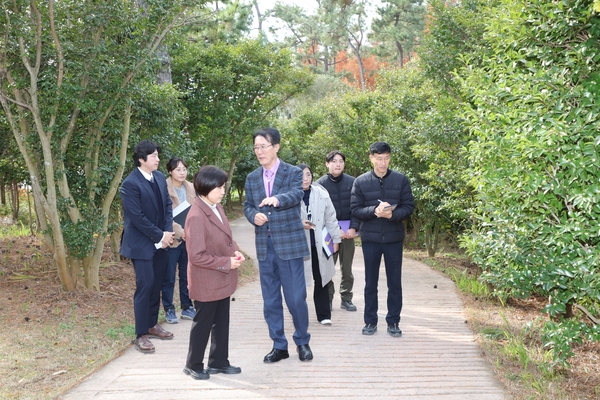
[(436, 358)]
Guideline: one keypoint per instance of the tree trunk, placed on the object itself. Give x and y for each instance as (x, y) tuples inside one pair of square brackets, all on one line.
[(31, 231), (164, 74), (14, 196), (115, 216), (414, 235), (259, 18), (115, 244), (2, 194), (60, 251), (400, 54), (569, 310), (232, 163), (361, 67), (91, 265), (432, 234), (76, 270)]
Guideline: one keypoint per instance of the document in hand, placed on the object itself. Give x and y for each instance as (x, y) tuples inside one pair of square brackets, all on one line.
[(344, 224), (180, 213), (327, 243)]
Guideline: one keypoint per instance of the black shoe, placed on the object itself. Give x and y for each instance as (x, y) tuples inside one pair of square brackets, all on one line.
[(196, 374), (304, 352), (394, 330), (276, 355), (347, 305), (230, 370), (369, 329)]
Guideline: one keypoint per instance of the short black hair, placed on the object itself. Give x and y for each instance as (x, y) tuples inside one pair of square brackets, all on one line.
[(329, 157), (208, 178), (174, 162), (380, 148), (142, 150), (302, 166), (272, 135)]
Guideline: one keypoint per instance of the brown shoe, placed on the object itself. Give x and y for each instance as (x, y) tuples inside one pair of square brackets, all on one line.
[(158, 332), (144, 344)]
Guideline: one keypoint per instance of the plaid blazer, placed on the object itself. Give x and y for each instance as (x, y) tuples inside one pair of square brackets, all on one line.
[(285, 223)]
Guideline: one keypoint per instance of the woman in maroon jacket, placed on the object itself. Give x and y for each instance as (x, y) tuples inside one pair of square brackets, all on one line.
[(213, 261)]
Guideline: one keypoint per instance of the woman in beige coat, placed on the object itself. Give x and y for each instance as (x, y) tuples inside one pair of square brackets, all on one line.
[(318, 212), (180, 190), (212, 275)]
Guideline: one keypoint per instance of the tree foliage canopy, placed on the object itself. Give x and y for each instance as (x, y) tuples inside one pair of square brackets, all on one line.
[(229, 91), (71, 73), (535, 116)]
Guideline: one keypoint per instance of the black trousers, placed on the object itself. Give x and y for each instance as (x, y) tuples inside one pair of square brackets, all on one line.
[(320, 293), (211, 319)]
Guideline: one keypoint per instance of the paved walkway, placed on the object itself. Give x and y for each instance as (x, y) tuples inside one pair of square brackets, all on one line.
[(436, 358)]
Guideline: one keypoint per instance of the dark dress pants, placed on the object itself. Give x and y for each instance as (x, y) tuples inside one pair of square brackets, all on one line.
[(392, 255), (320, 293), (211, 319), (346, 256), (277, 274), (149, 276)]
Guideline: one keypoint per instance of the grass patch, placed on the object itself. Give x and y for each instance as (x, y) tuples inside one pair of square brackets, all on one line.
[(14, 231), (468, 283), (121, 332)]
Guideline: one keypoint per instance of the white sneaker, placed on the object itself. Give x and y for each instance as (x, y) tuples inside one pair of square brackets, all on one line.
[(326, 322)]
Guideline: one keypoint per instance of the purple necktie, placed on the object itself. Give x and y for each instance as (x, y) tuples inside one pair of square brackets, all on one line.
[(269, 175)]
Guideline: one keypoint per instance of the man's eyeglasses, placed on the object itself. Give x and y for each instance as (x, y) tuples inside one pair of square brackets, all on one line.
[(261, 148)]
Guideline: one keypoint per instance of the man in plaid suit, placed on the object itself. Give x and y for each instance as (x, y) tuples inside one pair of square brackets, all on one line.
[(273, 196)]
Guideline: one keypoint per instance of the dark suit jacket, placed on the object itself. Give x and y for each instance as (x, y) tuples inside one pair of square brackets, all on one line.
[(141, 214), (210, 246), (285, 223)]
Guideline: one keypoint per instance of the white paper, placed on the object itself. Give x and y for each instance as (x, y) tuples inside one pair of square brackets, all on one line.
[(181, 207)]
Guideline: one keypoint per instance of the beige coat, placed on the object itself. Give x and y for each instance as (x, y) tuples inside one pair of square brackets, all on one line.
[(210, 246), (190, 194), (323, 214)]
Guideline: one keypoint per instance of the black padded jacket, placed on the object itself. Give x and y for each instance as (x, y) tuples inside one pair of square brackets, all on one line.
[(340, 189), (367, 191)]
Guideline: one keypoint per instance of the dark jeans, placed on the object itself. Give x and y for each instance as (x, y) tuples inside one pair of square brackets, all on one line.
[(177, 255), (392, 255)]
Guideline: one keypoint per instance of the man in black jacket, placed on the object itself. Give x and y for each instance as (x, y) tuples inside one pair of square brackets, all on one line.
[(339, 186), (381, 200)]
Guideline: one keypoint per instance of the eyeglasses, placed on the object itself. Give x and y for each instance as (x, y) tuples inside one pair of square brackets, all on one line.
[(261, 148)]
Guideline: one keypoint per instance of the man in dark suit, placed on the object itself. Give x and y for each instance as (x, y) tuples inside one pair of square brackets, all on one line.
[(147, 234), (273, 196)]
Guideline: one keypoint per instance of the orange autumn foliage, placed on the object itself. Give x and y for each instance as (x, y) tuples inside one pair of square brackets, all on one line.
[(348, 64)]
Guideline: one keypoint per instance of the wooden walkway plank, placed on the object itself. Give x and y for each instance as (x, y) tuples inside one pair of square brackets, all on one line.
[(436, 358)]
